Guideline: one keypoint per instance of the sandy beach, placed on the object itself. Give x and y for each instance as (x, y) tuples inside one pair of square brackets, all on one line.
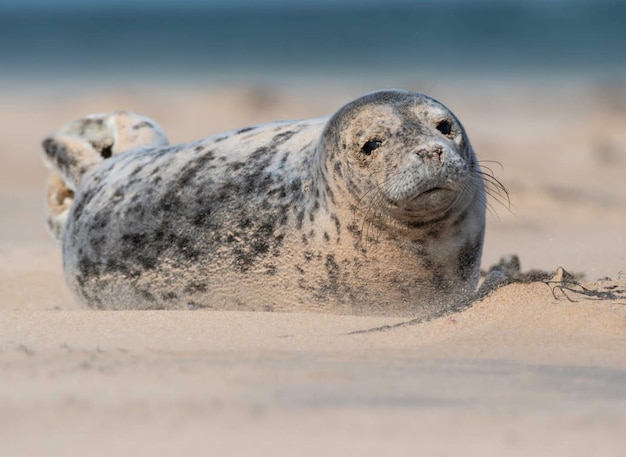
[(535, 368)]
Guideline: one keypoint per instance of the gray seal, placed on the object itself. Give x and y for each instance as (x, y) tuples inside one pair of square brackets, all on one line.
[(377, 209)]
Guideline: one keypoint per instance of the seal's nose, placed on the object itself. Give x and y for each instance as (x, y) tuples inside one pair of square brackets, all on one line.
[(434, 155)]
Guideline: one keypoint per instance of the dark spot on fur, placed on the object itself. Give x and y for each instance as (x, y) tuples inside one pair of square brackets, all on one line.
[(134, 246), (434, 233), (306, 149), (296, 185), (468, 258), (461, 219), (186, 248), (142, 125), (170, 201), (244, 130), (261, 156), (234, 166), (283, 137), (299, 220), (439, 279), (337, 168), (202, 218), (332, 270), (146, 295), (284, 215), (335, 219), (192, 305), (85, 124), (86, 266), (353, 227), (282, 192), (196, 287), (50, 147), (83, 201), (58, 153), (326, 237), (425, 259), (329, 192), (193, 168), (159, 235)]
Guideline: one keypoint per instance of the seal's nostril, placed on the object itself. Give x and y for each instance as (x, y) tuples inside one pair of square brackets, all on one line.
[(435, 154)]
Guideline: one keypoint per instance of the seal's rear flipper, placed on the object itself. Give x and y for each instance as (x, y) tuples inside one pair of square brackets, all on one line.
[(58, 202), (70, 156), (81, 145)]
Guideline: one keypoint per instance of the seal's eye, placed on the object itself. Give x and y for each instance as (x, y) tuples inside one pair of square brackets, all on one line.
[(444, 127), (370, 146)]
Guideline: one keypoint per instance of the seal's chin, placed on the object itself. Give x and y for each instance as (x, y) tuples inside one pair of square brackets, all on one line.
[(430, 202)]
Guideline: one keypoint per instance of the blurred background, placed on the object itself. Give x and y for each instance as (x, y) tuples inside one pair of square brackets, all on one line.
[(539, 84), (277, 40)]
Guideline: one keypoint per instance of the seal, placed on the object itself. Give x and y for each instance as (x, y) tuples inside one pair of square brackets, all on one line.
[(378, 209)]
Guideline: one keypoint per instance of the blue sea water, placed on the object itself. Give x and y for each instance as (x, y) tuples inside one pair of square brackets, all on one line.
[(456, 39)]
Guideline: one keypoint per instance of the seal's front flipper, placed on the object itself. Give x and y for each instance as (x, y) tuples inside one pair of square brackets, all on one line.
[(81, 145)]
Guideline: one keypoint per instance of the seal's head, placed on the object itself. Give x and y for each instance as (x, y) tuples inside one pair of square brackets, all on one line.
[(404, 154)]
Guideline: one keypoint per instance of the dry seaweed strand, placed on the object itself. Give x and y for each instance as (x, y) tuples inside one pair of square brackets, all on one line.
[(565, 282)]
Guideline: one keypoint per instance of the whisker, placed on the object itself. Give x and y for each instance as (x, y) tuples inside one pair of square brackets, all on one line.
[(372, 214), (369, 204), (490, 194), (493, 184), (480, 162), (494, 188)]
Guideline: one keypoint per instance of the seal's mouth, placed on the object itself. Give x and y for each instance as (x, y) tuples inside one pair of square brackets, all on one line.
[(434, 193), (428, 192), (429, 201)]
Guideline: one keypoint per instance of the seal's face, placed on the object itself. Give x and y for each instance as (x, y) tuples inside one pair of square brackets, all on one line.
[(404, 154)]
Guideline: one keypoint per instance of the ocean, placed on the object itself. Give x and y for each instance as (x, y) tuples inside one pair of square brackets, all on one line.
[(584, 39)]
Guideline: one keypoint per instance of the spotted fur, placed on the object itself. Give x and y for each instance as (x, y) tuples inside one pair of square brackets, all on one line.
[(370, 211)]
